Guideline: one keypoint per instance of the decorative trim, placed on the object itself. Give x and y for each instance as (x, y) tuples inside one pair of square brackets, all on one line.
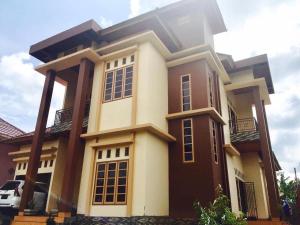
[(231, 150), (25, 152), (117, 142), (118, 53), (211, 111), (26, 159), (148, 127)]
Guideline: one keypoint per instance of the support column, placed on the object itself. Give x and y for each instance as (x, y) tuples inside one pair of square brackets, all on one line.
[(37, 142), (73, 150), (271, 149), (266, 155)]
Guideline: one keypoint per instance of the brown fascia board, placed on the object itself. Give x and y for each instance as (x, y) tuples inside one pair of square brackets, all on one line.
[(277, 165), (260, 66), (88, 28)]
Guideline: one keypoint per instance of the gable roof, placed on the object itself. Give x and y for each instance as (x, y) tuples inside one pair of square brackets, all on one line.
[(8, 130)]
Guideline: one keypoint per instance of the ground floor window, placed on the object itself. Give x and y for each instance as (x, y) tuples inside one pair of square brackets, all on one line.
[(111, 178)]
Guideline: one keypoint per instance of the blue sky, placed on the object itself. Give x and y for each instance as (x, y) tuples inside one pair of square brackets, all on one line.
[(254, 27)]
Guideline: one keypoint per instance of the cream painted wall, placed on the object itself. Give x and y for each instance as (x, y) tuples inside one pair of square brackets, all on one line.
[(97, 90), (109, 210), (86, 183), (151, 177), (233, 162), (254, 173), (244, 105), (57, 175), (116, 114), (152, 96), (242, 76)]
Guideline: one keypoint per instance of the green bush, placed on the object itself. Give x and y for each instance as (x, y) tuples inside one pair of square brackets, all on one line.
[(218, 213)]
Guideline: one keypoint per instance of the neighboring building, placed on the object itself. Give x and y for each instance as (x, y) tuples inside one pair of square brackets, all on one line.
[(153, 119), (7, 166)]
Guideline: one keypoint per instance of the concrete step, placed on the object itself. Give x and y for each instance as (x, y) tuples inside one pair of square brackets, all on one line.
[(34, 220)]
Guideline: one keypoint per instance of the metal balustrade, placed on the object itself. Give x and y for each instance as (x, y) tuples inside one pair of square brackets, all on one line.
[(65, 115), (243, 125)]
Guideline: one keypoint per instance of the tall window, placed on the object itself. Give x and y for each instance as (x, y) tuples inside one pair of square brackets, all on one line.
[(111, 178), (111, 183), (186, 92), (188, 149), (118, 79), (211, 90), (214, 143)]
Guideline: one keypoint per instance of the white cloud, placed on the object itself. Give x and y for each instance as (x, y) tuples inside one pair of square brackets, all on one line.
[(273, 30), (138, 7), (134, 8), (21, 89)]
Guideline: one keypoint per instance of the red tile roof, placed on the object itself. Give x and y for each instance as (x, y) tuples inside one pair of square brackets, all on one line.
[(7, 130)]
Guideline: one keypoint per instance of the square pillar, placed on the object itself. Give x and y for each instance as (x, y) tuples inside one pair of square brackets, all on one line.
[(74, 154), (37, 142), (266, 155)]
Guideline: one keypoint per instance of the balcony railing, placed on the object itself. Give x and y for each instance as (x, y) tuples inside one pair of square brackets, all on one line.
[(243, 125), (65, 115)]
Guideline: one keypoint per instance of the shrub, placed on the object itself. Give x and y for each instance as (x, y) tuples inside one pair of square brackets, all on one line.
[(218, 213)]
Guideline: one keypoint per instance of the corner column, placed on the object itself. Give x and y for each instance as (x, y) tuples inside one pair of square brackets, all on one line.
[(271, 149), (75, 142), (37, 141), (266, 155)]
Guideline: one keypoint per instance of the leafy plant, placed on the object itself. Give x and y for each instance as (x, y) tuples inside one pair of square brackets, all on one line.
[(219, 212), (287, 189)]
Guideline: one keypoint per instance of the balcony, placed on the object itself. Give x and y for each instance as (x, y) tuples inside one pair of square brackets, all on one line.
[(63, 119), (245, 135)]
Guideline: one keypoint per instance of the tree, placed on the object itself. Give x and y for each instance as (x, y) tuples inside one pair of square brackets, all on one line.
[(287, 189)]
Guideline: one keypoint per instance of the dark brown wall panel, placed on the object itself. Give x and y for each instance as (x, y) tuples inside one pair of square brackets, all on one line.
[(198, 180), (190, 181), (199, 81)]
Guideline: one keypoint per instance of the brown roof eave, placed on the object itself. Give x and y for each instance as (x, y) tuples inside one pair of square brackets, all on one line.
[(28, 139), (87, 30)]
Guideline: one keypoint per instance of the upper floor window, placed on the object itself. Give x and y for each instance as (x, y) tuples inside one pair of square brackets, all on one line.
[(188, 149), (118, 79), (214, 143), (211, 90), (186, 92)]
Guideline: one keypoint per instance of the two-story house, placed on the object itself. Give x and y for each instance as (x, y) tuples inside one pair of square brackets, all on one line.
[(153, 119)]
